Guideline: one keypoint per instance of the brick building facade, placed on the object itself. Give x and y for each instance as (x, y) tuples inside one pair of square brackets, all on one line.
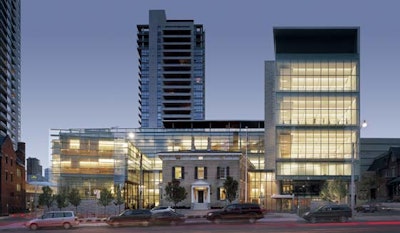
[(12, 177)]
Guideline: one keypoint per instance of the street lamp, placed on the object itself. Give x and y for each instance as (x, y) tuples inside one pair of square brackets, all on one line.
[(352, 184), (141, 182), (245, 175)]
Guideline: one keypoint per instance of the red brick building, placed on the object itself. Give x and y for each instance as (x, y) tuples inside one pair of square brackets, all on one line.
[(387, 170), (12, 177)]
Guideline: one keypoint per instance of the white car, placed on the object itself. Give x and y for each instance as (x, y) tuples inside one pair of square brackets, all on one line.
[(159, 209), (66, 219)]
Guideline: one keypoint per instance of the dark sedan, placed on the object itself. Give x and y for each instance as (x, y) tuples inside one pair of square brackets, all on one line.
[(167, 218), (140, 217)]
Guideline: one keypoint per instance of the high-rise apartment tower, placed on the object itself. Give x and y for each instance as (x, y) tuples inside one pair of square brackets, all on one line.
[(171, 70), (10, 65), (33, 167)]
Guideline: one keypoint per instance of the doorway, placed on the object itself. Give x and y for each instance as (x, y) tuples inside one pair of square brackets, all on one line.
[(200, 194)]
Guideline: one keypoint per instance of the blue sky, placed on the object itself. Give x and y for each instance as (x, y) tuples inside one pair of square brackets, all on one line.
[(79, 59)]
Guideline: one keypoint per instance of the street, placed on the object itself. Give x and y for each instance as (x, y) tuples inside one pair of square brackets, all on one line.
[(283, 226)]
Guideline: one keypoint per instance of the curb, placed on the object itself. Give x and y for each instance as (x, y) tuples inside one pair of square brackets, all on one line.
[(92, 220)]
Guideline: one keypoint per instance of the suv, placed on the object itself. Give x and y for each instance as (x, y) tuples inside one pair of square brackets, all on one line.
[(340, 213), (66, 219), (247, 211), (130, 217)]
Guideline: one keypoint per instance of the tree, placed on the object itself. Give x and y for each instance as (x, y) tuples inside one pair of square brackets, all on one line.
[(174, 192), (61, 199), (119, 199), (231, 187), (105, 198), (46, 197), (334, 190), (74, 198)]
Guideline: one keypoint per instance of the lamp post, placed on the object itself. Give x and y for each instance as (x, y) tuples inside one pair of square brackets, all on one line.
[(141, 182), (245, 175), (352, 184)]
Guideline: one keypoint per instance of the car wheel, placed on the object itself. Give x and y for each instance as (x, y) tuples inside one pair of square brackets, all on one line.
[(33, 227), (343, 219), (252, 220), (217, 220), (114, 224), (67, 225), (313, 220), (145, 224)]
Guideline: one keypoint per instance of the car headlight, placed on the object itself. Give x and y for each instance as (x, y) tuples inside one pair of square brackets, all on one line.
[(209, 214)]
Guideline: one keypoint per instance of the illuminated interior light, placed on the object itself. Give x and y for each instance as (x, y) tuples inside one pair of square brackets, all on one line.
[(106, 160)]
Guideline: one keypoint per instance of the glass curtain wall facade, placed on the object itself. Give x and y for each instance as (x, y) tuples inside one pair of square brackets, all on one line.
[(316, 107), (171, 70), (10, 70), (90, 159)]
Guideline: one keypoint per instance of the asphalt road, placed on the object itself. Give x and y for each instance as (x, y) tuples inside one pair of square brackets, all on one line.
[(279, 222), (281, 227)]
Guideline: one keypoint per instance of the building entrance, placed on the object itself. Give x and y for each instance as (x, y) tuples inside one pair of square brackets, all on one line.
[(200, 194)]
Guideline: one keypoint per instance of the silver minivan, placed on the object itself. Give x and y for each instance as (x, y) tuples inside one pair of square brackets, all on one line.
[(66, 219)]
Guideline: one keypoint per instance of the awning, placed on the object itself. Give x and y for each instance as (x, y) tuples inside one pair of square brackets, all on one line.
[(282, 196), (200, 183)]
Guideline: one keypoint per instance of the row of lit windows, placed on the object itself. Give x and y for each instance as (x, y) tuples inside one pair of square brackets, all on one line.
[(313, 136), (317, 75), (315, 144), (295, 101), (200, 173), (315, 151), (317, 83), (317, 67), (317, 110), (92, 145), (313, 169)]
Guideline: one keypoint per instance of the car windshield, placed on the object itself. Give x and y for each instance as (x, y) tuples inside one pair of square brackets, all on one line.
[(126, 212), (320, 208)]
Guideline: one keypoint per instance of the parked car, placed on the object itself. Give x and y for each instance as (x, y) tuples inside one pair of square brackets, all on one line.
[(66, 219), (139, 217), (367, 208), (246, 211), (167, 218), (158, 209), (334, 212)]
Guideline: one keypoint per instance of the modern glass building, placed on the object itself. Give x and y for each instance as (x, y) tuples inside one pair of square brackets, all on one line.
[(171, 70), (310, 133), (10, 70), (90, 159), (312, 113)]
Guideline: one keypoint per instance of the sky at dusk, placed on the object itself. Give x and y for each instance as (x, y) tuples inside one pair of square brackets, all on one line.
[(79, 64)]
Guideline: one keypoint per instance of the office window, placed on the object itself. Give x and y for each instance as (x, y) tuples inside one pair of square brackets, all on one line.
[(74, 144), (221, 194), (222, 172), (178, 173), (200, 173)]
